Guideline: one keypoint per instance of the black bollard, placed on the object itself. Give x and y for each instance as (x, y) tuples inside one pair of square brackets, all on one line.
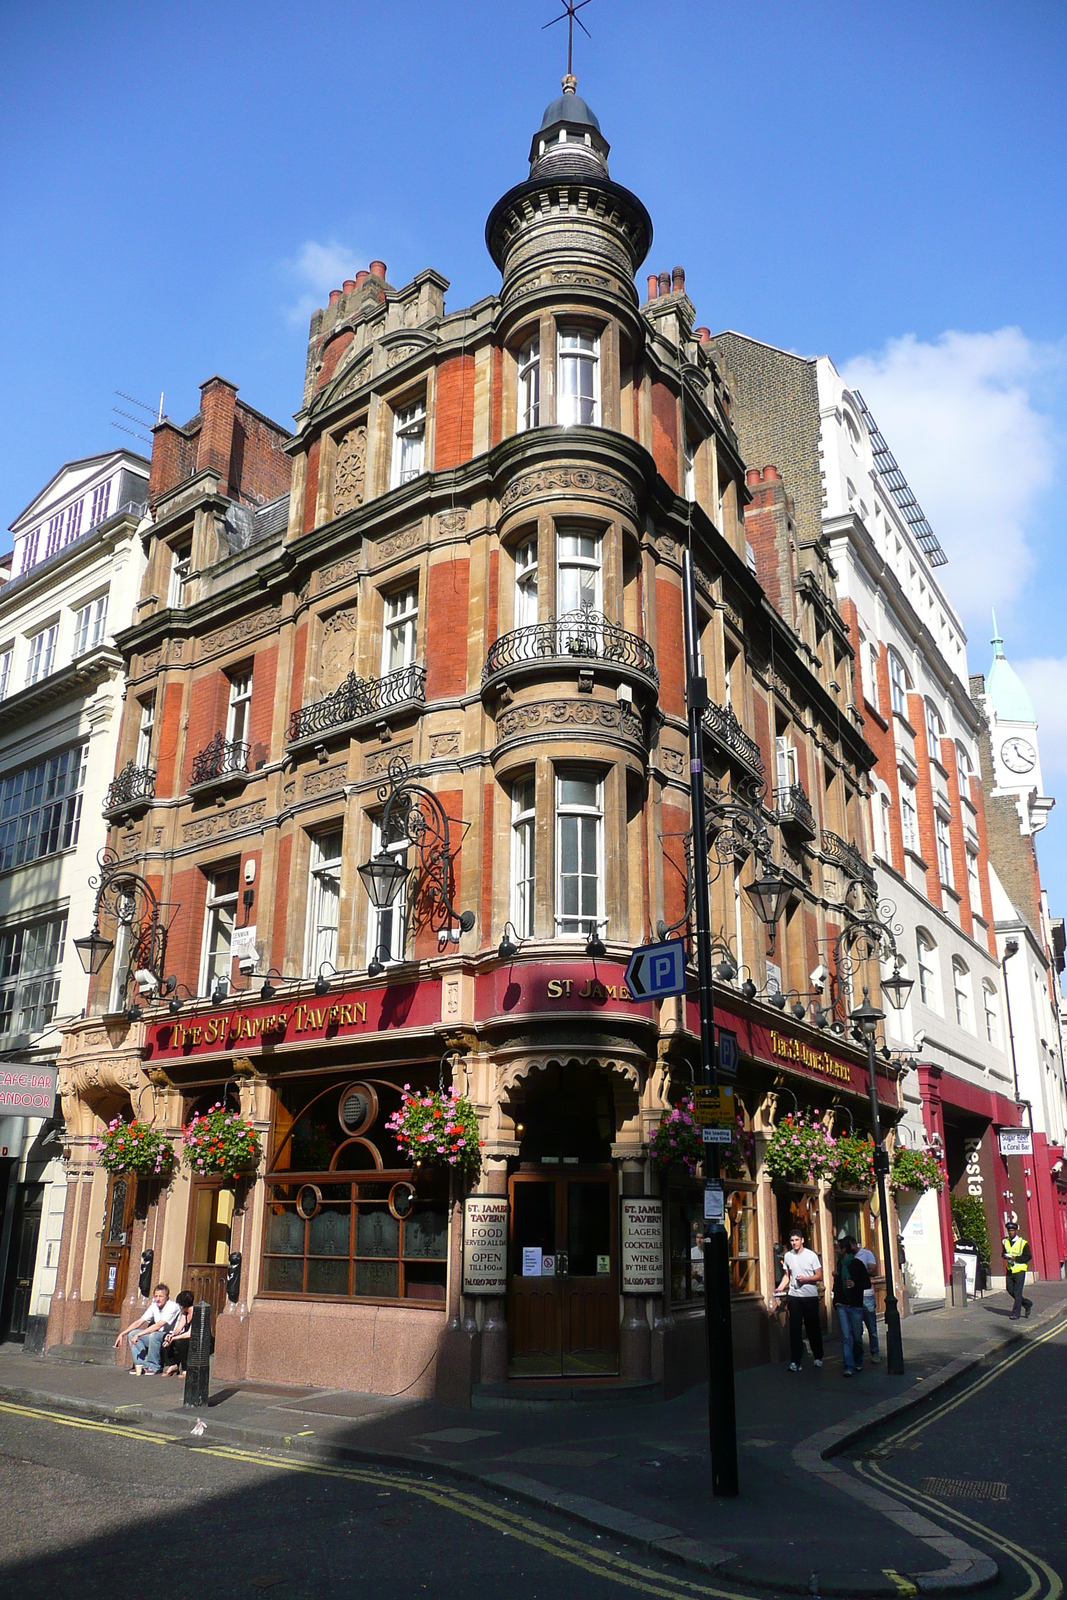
[(198, 1368)]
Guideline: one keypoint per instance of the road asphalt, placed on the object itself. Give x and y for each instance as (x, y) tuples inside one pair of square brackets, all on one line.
[(817, 1513)]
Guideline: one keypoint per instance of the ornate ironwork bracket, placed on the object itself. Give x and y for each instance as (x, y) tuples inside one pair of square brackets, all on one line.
[(411, 808)]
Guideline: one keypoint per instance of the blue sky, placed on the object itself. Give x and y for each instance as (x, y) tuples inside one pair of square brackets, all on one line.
[(881, 183)]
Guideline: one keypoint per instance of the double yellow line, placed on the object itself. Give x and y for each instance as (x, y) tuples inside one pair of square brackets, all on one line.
[(1043, 1583)]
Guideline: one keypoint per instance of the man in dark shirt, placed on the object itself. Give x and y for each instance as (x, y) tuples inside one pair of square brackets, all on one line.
[(850, 1280)]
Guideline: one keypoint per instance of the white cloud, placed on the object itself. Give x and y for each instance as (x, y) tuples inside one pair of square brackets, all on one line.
[(961, 419), (1046, 679), (317, 269)]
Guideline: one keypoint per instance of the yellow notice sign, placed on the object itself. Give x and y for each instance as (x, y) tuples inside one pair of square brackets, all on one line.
[(714, 1108)]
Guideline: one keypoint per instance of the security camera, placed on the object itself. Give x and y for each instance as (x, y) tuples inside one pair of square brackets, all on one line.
[(920, 1039), (247, 965), (818, 978), (147, 981)]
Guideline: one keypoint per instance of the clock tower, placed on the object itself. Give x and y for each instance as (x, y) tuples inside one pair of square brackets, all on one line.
[(1013, 739)]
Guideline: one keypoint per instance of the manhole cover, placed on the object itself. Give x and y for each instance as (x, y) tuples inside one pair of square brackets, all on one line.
[(964, 1489)]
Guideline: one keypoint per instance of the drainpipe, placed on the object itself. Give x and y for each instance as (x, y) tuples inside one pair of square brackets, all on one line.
[(1011, 948)]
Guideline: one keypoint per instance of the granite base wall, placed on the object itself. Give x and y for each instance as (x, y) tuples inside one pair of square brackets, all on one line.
[(387, 1350)]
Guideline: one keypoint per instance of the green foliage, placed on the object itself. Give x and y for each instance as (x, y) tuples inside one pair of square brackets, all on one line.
[(854, 1162), (800, 1151), (969, 1221), (440, 1129), (915, 1170), (134, 1147), (222, 1142)]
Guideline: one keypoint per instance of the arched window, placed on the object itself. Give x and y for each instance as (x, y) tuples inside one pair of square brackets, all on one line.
[(963, 770), (899, 683), (992, 1016), (935, 730), (926, 952), (961, 989), (529, 407)]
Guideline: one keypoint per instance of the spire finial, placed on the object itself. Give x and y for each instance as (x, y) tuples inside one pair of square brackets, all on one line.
[(997, 642), (570, 8)]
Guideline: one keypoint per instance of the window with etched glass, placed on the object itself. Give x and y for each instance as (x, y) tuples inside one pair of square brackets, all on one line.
[(523, 823), (90, 622), (578, 387), (579, 854), (346, 1215), (401, 628), (387, 926), (42, 654), (324, 901), (526, 583), (40, 807), (31, 956), (220, 918), (529, 411), (409, 443)]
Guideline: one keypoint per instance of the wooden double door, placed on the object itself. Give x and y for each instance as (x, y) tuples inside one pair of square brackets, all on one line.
[(563, 1280)]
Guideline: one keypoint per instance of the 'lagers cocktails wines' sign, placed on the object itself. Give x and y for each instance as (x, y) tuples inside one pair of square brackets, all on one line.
[(642, 1245)]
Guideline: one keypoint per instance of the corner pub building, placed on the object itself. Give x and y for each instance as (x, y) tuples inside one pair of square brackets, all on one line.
[(465, 564)]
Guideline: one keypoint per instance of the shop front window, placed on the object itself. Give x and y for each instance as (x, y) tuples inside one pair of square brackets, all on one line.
[(686, 1221)]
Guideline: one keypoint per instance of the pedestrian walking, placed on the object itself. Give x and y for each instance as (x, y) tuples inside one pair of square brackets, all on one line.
[(870, 1313), (802, 1275), (850, 1280), (1016, 1260)]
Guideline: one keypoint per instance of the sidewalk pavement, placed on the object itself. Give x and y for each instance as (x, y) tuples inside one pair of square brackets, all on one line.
[(637, 1472)]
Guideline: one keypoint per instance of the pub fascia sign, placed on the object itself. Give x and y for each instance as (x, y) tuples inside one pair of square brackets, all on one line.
[(805, 1055)]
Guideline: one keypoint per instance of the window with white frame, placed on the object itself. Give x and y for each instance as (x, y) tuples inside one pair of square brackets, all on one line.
[(387, 928), (6, 659), (961, 989), (522, 856), (974, 886), (400, 629), (690, 480), (899, 684), (42, 654), (872, 660), (526, 583), (41, 807), (101, 496), (54, 541), (944, 848), (578, 385), (926, 952), (145, 730), (31, 958), (992, 1015), (909, 816), (529, 409), (579, 582), (409, 443), (237, 710), (90, 621), (181, 563), (324, 901), (785, 763), (74, 521), (963, 771), (934, 731), (220, 918), (579, 853)]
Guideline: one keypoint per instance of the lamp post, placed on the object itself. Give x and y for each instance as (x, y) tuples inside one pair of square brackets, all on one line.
[(867, 1017)]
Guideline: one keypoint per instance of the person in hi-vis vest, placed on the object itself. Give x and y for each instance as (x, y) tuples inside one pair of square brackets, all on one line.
[(1016, 1260)]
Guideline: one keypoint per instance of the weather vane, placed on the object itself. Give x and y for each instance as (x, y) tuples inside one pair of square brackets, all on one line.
[(570, 10)]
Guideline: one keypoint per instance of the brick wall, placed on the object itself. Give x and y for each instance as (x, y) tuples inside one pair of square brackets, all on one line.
[(261, 710), (924, 798), (218, 400), (675, 822), (296, 683), (332, 355), (167, 743), (244, 449), (454, 413), (189, 890), (447, 604), (767, 531), (670, 646), (281, 901), (956, 839), (311, 487), (665, 432), (260, 470), (978, 798), (207, 713)]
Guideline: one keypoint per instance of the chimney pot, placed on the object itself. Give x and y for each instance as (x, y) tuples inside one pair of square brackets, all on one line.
[(362, 276), (703, 334), (771, 475), (752, 476), (653, 286), (348, 285), (378, 269), (678, 277), (664, 283), (335, 295)]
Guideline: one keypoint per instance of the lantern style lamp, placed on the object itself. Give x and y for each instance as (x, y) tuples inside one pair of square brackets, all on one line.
[(897, 988), (768, 894), (382, 877), (93, 950)]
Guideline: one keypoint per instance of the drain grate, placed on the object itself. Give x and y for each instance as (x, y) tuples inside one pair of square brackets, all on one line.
[(964, 1489)]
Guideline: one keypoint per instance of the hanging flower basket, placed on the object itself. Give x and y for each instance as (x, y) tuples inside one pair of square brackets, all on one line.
[(220, 1143), (915, 1171), (800, 1151), (854, 1162), (738, 1159), (134, 1147), (438, 1129), (677, 1142)]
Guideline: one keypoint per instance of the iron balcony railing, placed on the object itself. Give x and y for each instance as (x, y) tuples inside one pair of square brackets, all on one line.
[(844, 855), (358, 698), (222, 758), (794, 809), (130, 787), (579, 636), (722, 725)]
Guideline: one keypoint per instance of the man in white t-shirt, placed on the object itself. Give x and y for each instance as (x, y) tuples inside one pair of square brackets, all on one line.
[(802, 1275), (154, 1324)]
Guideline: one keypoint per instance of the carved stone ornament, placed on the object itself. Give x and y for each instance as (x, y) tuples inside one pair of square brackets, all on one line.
[(130, 844), (444, 744), (591, 279), (322, 782), (351, 474), (289, 791), (377, 761), (524, 288), (672, 761), (338, 655), (569, 480), (514, 1074), (358, 373), (399, 542), (400, 352), (224, 822), (583, 714), (176, 649), (149, 662), (452, 521), (242, 628), (340, 571)]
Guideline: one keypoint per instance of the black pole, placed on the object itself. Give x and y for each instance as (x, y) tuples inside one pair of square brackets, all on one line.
[(198, 1361), (894, 1344), (722, 1421)]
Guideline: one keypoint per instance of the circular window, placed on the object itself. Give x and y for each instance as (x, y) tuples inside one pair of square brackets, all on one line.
[(357, 1107), (308, 1201), (401, 1200)]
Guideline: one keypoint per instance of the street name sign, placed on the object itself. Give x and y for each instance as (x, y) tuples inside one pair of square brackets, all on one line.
[(657, 970)]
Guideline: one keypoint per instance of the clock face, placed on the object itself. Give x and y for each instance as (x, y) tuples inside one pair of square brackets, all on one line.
[(1018, 755)]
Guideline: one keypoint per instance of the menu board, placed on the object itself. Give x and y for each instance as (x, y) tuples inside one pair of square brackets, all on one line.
[(642, 1244), (485, 1245)]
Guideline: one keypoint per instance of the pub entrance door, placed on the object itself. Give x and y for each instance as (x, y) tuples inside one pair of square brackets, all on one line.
[(563, 1279), (115, 1247), (207, 1249)]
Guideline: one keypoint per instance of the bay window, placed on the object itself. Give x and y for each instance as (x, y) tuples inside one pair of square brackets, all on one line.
[(579, 853), (578, 385), (529, 407), (526, 583), (522, 857)]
